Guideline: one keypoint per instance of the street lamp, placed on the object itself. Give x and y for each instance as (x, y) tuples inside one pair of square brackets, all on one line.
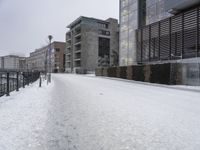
[(50, 37)]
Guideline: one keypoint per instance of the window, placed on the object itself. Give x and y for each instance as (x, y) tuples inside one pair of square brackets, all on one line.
[(103, 32), (104, 52), (103, 25), (57, 50)]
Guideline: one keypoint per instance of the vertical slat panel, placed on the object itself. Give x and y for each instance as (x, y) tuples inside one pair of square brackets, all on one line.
[(164, 39), (173, 38), (176, 37)]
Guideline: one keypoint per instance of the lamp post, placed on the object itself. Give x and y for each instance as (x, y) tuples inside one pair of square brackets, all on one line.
[(50, 37), (45, 63)]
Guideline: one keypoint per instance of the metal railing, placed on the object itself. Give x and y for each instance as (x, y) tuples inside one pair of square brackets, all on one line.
[(14, 80), (177, 37)]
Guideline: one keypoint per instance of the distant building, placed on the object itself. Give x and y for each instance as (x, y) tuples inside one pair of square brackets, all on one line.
[(39, 59), (13, 62), (91, 43), (1, 62), (22, 63)]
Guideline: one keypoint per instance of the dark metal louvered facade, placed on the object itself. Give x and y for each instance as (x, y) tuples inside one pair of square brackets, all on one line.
[(177, 37)]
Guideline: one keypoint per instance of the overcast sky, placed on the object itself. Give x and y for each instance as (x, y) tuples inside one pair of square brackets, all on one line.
[(25, 24)]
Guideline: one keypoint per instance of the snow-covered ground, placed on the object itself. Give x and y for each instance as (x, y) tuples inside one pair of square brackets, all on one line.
[(23, 118), (92, 113)]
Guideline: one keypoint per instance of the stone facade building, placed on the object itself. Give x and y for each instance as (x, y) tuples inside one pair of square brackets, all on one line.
[(39, 59), (91, 43)]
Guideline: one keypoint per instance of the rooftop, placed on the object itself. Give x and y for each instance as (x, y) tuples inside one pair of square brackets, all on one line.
[(78, 20)]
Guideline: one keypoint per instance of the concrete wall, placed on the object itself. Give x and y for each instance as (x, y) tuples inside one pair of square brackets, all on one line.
[(169, 73), (190, 73), (89, 47)]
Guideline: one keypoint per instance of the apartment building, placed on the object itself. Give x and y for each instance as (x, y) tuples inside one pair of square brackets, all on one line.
[(39, 59), (91, 43), (13, 62)]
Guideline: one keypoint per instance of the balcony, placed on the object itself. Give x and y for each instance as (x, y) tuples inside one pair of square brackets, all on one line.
[(78, 51), (68, 46), (68, 64), (77, 35), (68, 51), (77, 31), (77, 63), (68, 35), (77, 39), (77, 56), (68, 58), (77, 47), (77, 59), (69, 40), (68, 61), (68, 54)]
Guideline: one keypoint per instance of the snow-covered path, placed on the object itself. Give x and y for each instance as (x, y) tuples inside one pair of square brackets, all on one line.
[(23, 118), (89, 113)]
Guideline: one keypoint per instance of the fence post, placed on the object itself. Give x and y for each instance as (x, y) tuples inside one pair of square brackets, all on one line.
[(8, 84), (17, 81), (23, 80), (3, 89), (28, 78), (32, 77), (40, 84)]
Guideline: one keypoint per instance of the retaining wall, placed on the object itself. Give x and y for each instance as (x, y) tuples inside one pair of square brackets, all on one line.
[(169, 73)]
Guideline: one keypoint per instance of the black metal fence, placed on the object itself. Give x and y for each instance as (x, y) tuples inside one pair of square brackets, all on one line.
[(174, 38), (13, 80)]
